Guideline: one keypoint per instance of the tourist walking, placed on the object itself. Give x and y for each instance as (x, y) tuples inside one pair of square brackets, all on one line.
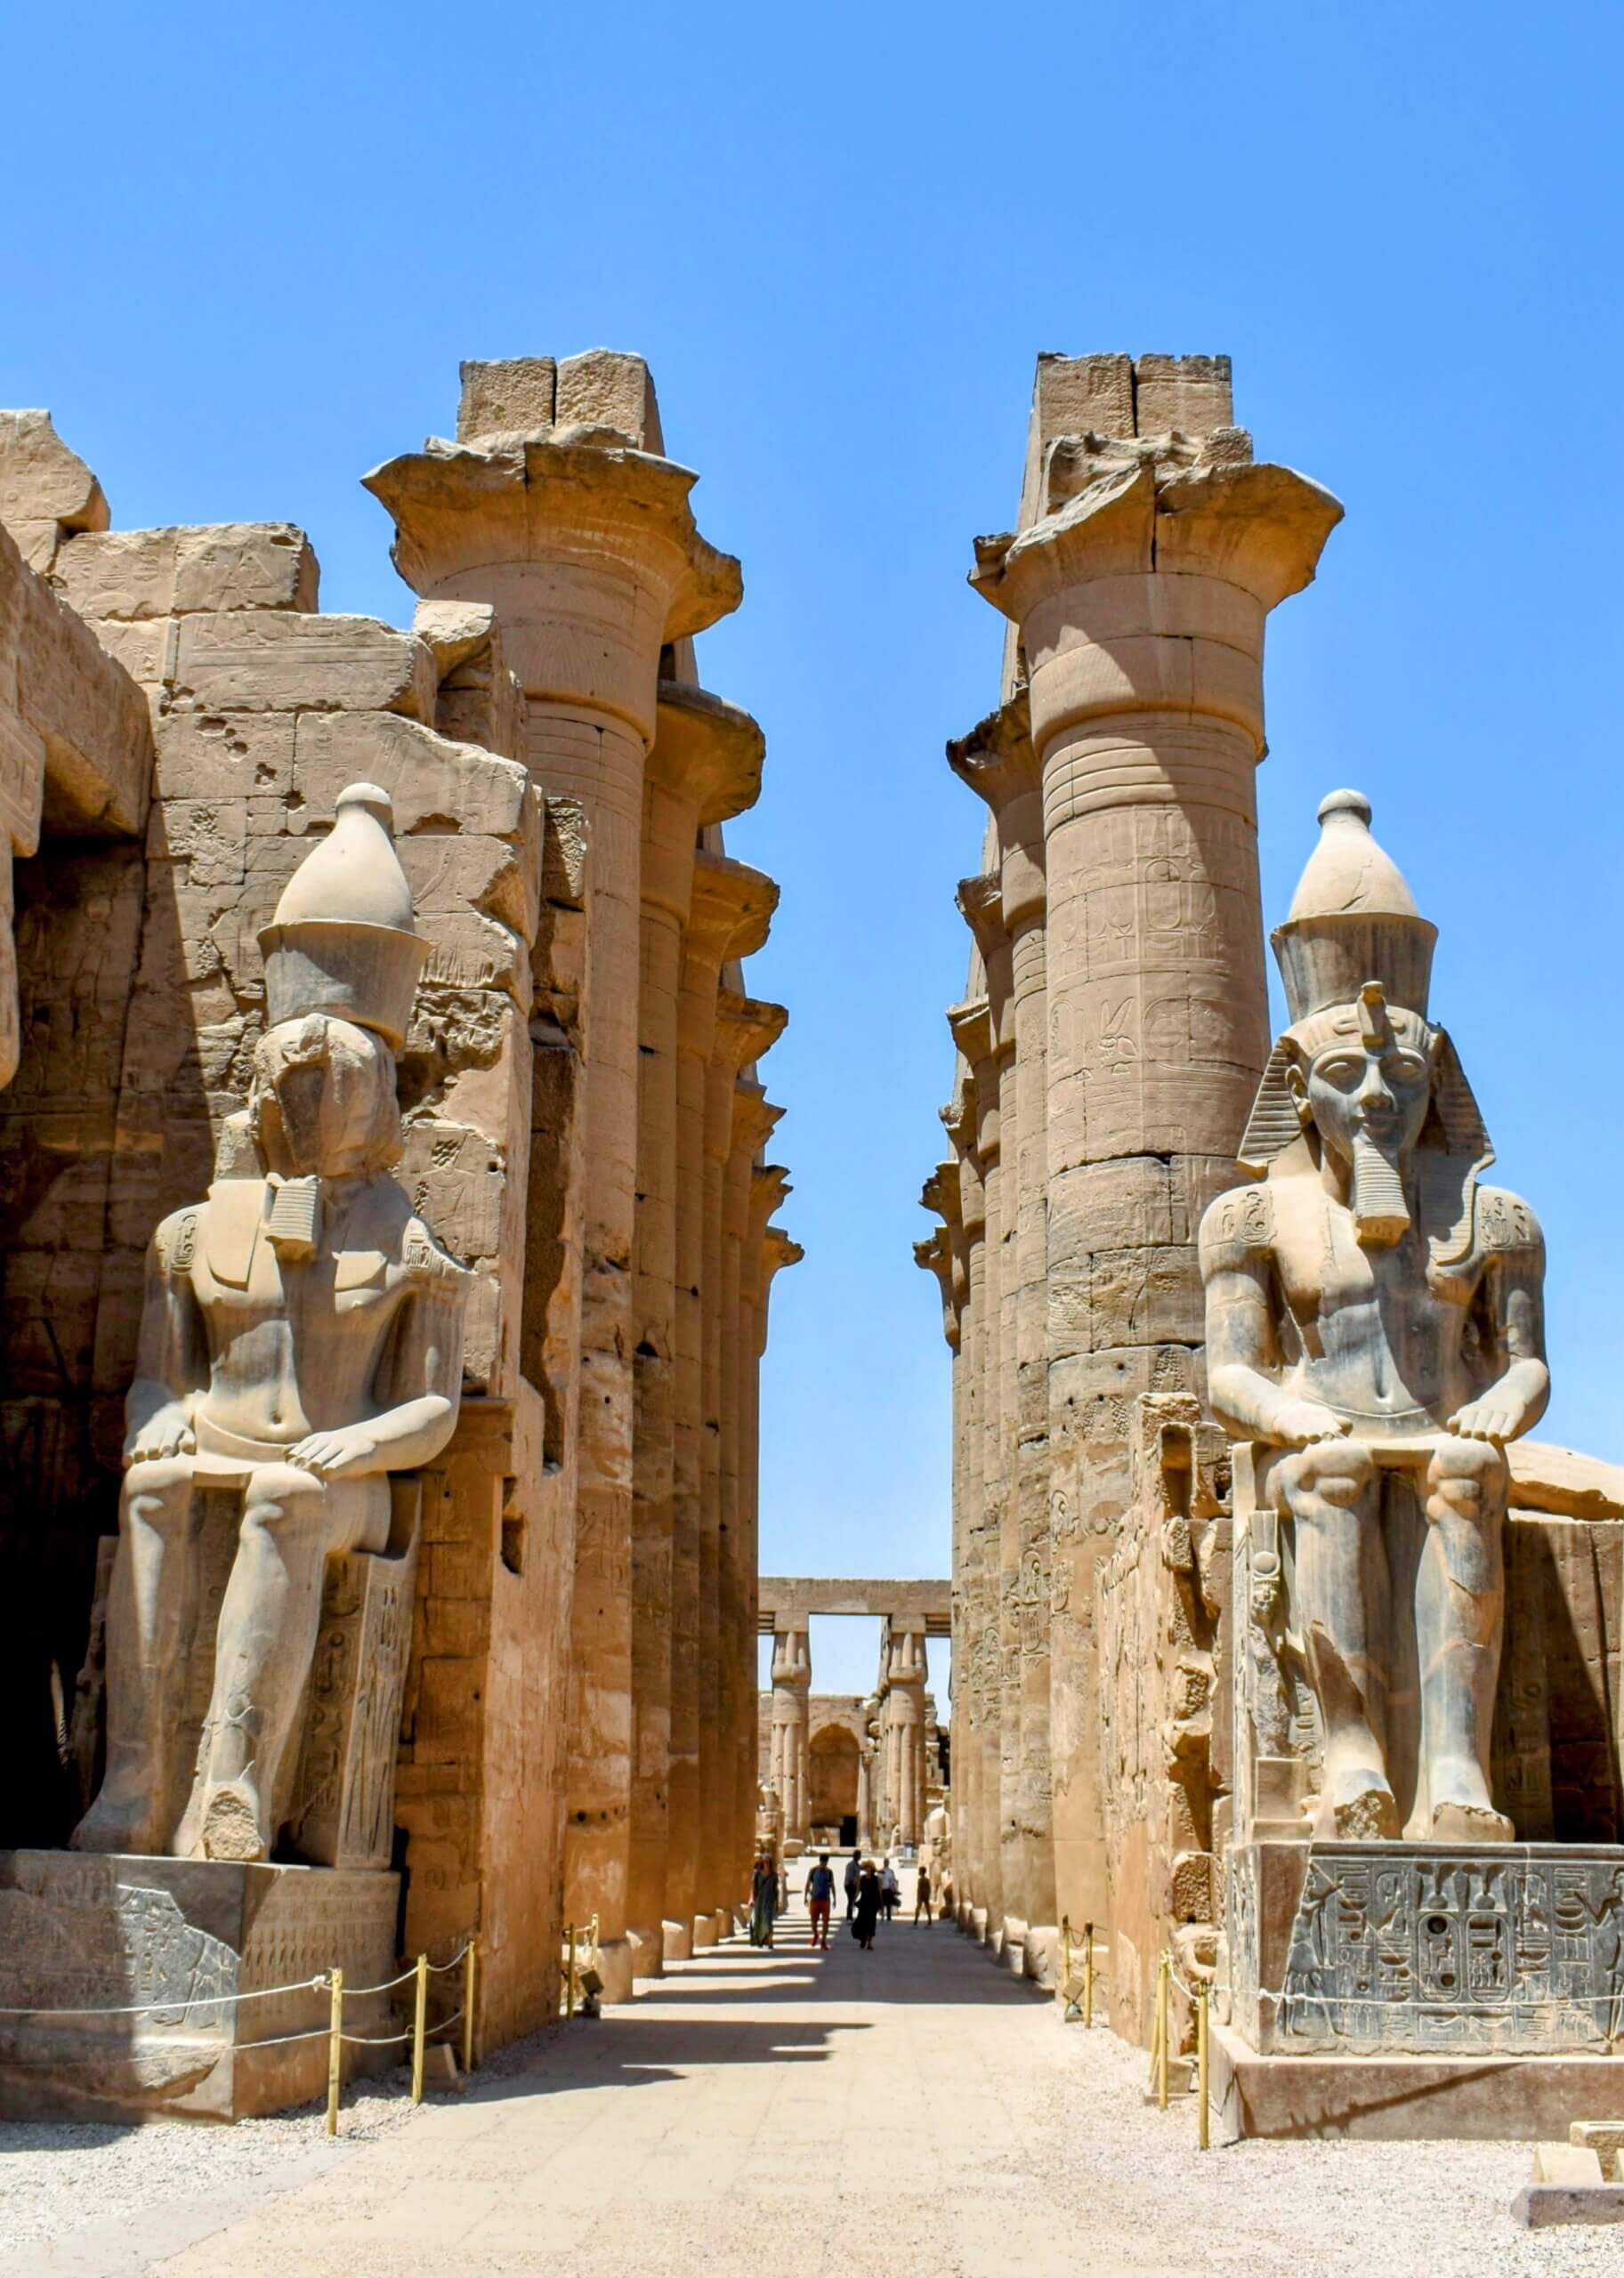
[(922, 1896), (854, 1876), (819, 1898), (891, 1890), (763, 1901), (868, 1904)]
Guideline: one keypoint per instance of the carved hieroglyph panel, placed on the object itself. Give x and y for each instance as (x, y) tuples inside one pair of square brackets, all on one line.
[(1512, 1949)]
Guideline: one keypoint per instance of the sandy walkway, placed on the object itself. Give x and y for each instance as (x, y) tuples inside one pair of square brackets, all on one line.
[(905, 2110)]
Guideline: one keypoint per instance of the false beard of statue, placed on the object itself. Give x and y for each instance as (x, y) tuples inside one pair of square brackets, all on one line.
[(1381, 1215), (295, 1224)]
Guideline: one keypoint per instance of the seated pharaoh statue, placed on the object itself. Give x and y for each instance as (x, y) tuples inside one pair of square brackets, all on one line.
[(1374, 1328), (301, 1339)]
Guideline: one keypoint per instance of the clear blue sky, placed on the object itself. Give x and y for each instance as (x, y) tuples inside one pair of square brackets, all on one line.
[(246, 248)]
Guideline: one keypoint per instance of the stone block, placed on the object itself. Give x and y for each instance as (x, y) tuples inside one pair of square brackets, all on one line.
[(262, 661), (603, 388), (1538, 2206), (179, 1937), (45, 490), (512, 395), (435, 784), (210, 756), (131, 575), (1400, 2099), (1189, 395)]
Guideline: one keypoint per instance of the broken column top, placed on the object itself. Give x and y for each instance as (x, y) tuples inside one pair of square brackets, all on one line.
[(530, 395), (1123, 398)]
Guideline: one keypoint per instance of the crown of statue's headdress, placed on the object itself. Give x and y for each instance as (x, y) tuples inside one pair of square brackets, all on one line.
[(1354, 952), (1352, 920), (343, 940)]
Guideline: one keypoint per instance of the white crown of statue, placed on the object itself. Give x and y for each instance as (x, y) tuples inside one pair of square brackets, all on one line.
[(1352, 920), (343, 940)]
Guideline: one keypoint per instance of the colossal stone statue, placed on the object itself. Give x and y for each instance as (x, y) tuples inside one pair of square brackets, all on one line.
[(1374, 1323), (301, 1338)]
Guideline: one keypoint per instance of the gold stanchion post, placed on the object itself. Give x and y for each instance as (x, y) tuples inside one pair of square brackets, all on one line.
[(569, 1970), (1088, 1973), (471, 1978), (1164, 1971), (336, 2047), (419, 2020), (1203, 1996)]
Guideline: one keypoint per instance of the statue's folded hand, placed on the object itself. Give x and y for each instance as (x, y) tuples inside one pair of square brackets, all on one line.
[(1494, 1417), (166, 1433), (332, 1455)]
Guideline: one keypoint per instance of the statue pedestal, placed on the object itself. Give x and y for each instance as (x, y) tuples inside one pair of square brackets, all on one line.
[(81, 1932), (1410, 1988)]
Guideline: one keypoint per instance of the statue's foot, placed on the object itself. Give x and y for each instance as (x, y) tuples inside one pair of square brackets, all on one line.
[(1359, 1809), (112, 1824), (230, 1825), (1470, 1822)]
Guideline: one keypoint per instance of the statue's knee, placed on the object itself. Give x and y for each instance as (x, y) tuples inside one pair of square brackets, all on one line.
[(1468, 1477), (1337, 1471), (281, 1495), (158, 1487)]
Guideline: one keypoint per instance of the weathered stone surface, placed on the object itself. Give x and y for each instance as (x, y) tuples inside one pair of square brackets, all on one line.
[(184, 1936), (46, 491), (187, 668), (129, 575)]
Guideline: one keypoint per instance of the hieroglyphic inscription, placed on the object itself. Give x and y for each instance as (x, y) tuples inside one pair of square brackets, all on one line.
[(1517, 1948)]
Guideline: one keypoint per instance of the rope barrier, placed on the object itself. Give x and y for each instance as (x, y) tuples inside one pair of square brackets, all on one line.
[(192, 2001)]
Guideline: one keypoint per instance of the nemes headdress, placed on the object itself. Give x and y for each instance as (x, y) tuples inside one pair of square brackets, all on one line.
[(343, 940), (1353, 942)]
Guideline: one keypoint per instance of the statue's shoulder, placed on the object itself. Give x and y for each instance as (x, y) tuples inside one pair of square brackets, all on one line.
[(174, 1239), (426, 1258), (1504, 1223), (1235, 1227)]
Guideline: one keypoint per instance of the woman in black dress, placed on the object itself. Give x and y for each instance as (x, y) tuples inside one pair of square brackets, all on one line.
[(868, 1902)]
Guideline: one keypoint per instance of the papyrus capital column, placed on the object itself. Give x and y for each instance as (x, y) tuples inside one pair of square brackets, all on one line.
[(586, 546), (791, 1688), (906, 1676), (705, 767), (729, 912), (1151, 551)]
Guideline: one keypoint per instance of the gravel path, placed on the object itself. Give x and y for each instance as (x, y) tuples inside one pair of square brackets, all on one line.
[(909, 2107)]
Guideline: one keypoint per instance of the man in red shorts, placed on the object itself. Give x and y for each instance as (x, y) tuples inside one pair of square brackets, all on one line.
[(819, 1898)]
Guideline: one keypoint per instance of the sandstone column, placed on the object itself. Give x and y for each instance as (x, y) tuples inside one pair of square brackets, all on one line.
[(905, 1731), (958, 1119), (1151, 552), (550, 506), (753, 1121), (730, 909), (705, 766), (981, 904), (744, 1029), (996, 760), (974, 1031), (767, 1248), (791, 1685)]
